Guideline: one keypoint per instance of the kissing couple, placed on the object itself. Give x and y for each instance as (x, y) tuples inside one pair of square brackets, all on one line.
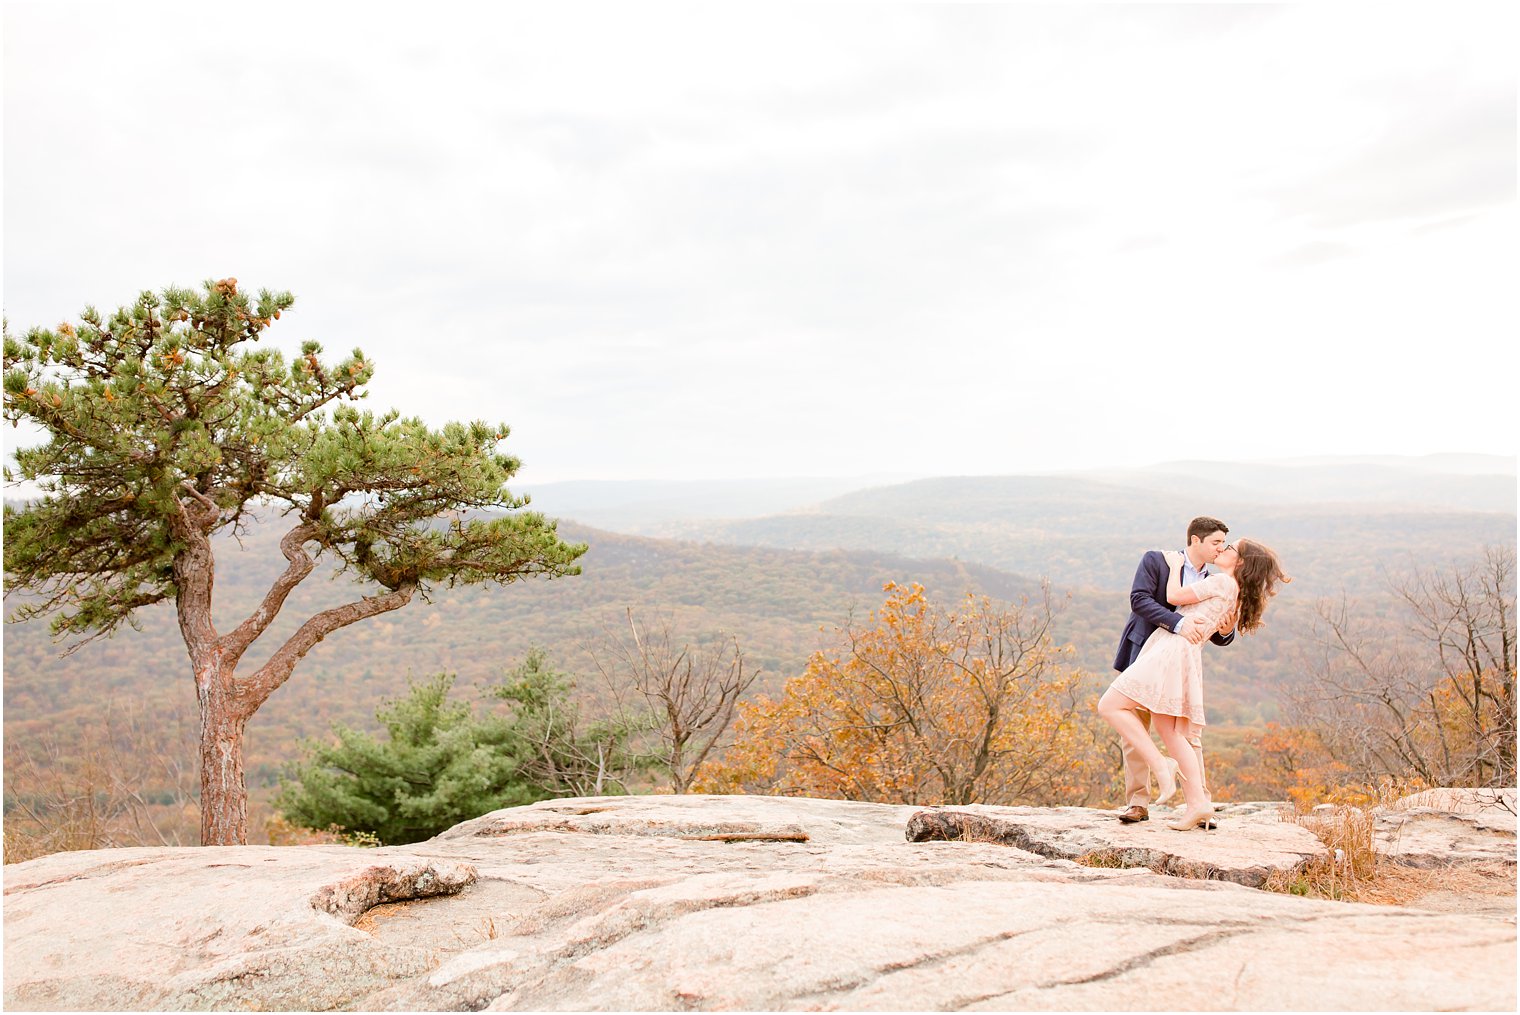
[(1210, 590)]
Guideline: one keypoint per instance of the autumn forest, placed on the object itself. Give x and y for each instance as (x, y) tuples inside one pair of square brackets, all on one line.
[(814, 596)]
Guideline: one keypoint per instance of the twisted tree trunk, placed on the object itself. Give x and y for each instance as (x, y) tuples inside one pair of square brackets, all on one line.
[(224, 793), (227, 701)]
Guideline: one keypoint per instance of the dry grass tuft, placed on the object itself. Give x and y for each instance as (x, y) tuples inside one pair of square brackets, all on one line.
[(978, 834), (1104, 858), (282, 833), (1353, 870), (28, 843), (1398, 885), (1350, 869)]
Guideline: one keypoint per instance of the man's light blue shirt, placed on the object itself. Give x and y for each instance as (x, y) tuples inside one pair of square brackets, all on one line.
[(1190, 574)]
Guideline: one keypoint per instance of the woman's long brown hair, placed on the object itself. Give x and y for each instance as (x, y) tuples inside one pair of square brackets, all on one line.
[(1257, 574)]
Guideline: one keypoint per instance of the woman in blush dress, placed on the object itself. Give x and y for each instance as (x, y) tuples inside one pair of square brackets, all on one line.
[(1167, 677)]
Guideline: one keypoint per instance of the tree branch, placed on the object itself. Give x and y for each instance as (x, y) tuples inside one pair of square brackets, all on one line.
[(301, 565), (254, 690), (195, 572)]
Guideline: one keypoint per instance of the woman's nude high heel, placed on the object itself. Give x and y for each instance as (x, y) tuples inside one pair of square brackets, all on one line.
[(1167, 779), (1202, 817)]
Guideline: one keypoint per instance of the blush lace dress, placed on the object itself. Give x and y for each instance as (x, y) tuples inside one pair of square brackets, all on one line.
[(1167, 676)]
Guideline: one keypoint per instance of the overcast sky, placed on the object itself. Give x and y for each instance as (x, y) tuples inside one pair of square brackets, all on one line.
[(732, 240)]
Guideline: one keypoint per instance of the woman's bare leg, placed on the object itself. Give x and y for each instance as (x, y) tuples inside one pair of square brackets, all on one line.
[(1119, 712), (1173, 731)]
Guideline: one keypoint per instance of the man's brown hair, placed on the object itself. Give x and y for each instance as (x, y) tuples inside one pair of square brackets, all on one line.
[(1203, 526)]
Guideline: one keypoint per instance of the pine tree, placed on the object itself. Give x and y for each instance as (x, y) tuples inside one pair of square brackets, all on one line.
[(440, 763), (437, 766), (167, 423)]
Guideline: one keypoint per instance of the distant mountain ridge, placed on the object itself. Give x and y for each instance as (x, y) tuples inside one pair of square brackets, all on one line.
[(1333, 524), (1152, 496)]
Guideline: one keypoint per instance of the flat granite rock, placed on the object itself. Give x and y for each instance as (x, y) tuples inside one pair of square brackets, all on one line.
[(1445, 827), (798, 904), (695, 817), (181, 928), (1462, 800)]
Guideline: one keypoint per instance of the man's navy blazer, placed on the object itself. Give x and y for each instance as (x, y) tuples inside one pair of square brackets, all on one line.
[(1147, 601)]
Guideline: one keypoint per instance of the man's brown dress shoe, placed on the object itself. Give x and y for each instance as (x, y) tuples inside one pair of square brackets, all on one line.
[(1134, 814)]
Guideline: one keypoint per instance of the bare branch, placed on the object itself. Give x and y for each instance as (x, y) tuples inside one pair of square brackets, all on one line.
[(694, 692)]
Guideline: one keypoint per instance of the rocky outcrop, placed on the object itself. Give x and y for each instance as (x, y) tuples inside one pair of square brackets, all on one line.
[(732, 902), (218, 927), (1445, 827), (1250, 844)]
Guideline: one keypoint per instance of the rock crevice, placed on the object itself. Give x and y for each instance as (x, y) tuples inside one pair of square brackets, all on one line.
[(1248, 854)]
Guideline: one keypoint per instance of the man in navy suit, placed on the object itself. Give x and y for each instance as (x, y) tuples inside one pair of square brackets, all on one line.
[(1206, 538)]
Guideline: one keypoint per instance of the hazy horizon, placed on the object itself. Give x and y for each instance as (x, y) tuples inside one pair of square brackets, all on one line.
[(1505, 464)]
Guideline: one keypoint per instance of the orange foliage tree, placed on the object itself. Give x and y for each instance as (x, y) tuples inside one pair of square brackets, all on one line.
[(923, 705), (1296, 764)]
